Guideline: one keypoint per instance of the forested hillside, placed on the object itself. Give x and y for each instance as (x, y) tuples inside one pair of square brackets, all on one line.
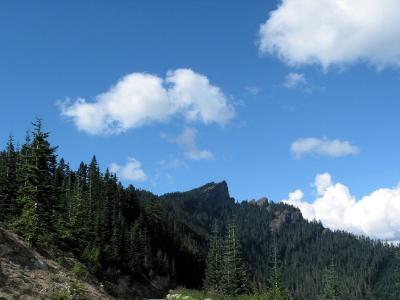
[(367, 269), (140, 244)]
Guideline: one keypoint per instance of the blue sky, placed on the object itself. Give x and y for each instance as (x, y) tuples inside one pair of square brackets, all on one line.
[(340, 103)]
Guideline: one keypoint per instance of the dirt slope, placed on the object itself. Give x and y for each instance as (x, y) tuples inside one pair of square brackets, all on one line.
[(25, 274)]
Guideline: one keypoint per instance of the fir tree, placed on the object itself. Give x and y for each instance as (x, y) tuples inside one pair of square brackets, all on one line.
[(277, 290), (233, 277), (96, 202), (37, 191), (3, 206), (27, 223), (61, 205), (214, 264), (11, 209), (397, 271), (331, 289)]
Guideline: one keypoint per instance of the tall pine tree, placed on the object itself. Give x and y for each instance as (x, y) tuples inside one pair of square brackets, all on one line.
[(233, 277), (277, 290), (331, 289), (8, 186), (37, 192), (214, 264)]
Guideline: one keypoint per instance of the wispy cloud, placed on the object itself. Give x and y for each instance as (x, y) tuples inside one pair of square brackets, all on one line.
[(139, 99), (295, 80), (253, 90), (322, 147), (186, 140)]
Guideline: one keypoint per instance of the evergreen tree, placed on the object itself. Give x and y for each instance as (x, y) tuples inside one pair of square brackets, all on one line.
[(61, 204), (96, 200), (214, 264), (233, 279), (331, 289), (3, 170), (27, 223), (277, 290), (37, 192), (11, 185), (397, 272), (134, 251)]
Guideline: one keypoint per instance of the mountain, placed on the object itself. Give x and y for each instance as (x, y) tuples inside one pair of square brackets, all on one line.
[(199, 207), (137, 244), (366, 268)]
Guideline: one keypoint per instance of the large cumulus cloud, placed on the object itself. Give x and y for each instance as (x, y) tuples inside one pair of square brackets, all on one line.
[(139, 99), (376, 215), (333, 32)]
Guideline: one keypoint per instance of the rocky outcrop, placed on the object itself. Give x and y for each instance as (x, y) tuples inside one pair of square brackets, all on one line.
[(284, 217), (25, 274)]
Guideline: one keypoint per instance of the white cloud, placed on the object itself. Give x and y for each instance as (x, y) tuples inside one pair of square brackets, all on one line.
[(376, 215), (322, 183), (333, 32), (323, 147), (294, 80), (131, 171), (139, 99), (187, 142)]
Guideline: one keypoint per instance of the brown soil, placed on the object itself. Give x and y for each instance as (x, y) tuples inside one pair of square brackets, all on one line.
[(25, 274)]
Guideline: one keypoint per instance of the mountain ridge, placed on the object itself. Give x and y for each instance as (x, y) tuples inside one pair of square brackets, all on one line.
[(139, 244)]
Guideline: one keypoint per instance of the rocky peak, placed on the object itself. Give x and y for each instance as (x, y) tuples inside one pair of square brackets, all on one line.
[(213, 195), (220, 188)]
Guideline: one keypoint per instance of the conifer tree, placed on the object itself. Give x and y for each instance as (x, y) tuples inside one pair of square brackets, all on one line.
[(214, 264), (3, 168), (233, 277), (134, 250), (397, 270), (96, 201), (27, 223), (277, 291), (61, 205), (130, 207), (331, 289), (37, 191), (11, 209), (105, 213)]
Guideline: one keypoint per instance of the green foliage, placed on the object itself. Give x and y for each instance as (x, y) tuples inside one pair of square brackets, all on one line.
[(36, 193), (8, 183), (233, 277), (277, 289), (91, 256), (62, 294), (202, 295), (225, 271), (213, 272), (331, 288), (79, 270), (73, 290)]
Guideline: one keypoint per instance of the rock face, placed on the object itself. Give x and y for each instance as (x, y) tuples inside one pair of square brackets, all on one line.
[(216, 193), (25, 274), (284, 217)]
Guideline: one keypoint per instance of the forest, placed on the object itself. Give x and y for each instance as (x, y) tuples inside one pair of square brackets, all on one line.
[(121, 233)]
